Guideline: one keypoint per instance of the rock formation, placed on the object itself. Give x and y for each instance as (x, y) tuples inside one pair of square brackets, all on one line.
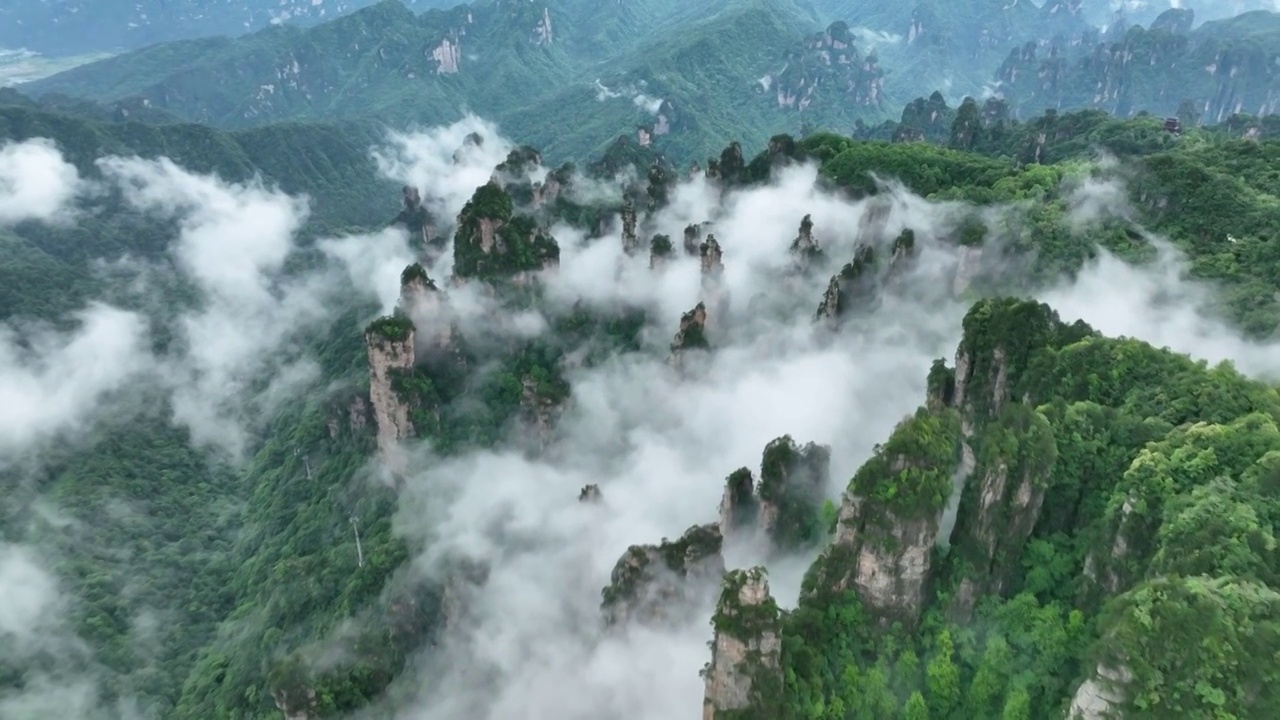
[(711, 257), (657, 583), (852, 289), (745, 672), (692, 334), (692, 238), (493, 241), (660, 250), (630, 241), (390, 345), (805, 251), (590, 494)]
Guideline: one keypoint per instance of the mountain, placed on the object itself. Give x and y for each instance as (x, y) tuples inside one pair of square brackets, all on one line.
[(1210, 73), (604, 70), (73, 27), (463, 435)]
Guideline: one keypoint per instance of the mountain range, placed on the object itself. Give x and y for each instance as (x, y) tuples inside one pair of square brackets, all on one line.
[(570, 76)]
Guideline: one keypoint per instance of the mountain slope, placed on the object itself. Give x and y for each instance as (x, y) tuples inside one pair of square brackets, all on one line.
[(1217, 70)]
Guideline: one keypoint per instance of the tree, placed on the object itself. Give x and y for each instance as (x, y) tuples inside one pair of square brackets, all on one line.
[(1017, 706), (942, 678), (916, 708)]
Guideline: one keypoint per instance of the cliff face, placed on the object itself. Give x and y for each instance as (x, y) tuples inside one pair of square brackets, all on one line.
[(978, 444), (744, 677), (657, 583), (1214, 72), (691, 336), (389, 342), (889, 519), (827, 69)]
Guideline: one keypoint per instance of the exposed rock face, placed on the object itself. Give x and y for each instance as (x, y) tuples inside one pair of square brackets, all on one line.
[(538, 405), (745, 672), (883, 545), (630, 241), (805, 250), (828, 65), (1099, 695), (493, 241), (304, 707), (852, 289), (657, 583), (692, 334), (711, 257), (447, 55), (543, 34), (390, 349)]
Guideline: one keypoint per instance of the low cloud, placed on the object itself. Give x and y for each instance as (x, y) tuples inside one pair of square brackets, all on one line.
[(55, 382), (36, 183)]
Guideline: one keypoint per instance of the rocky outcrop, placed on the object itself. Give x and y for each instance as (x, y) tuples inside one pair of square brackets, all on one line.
[(493, 241), (543, 33), (852, 289), (805, 251), (1098, 696), (711, 257), (745, 672), (889, 518), (828, 67), (659, 583), (793, 480), (390, 345), (692, 334), (630, 241), (298, 705), (415, 218), (590, 494), (660, 250), (447, 56)]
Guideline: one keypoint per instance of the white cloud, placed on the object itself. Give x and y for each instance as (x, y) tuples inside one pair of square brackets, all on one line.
[(52, 382), (36, 183)]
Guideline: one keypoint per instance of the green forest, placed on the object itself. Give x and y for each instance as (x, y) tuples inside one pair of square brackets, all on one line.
[(1112, 541)]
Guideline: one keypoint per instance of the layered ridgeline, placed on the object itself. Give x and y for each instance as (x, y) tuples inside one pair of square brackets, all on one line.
[(568, 76), (1207, 74), (76, 28), (457, 508)]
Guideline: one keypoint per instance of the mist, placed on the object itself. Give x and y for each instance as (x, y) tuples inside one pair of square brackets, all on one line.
[(658, 441)]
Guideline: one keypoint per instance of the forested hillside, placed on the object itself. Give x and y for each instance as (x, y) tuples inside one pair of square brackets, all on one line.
[(322, 421)]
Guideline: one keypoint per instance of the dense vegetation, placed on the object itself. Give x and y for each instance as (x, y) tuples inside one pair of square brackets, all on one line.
[(1117, 438)]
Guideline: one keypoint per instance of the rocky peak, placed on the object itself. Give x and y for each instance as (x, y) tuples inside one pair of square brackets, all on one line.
[(738, 507), (660, 249), (711, 257), (805, 250), (793, 480), (657, 583), (853, 288), (745, 672), (630, 241), (493, 241), (889, 518), (390, 345), (692, 334), (540, 402), (415, 218)]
